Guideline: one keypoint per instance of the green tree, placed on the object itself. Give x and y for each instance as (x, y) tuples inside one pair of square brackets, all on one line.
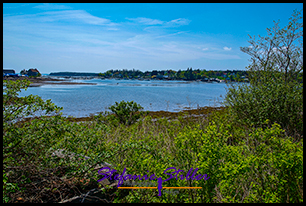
[(181, 75), (275, 92), (23, 72), (16, 108), (109, 73), (238, 79)]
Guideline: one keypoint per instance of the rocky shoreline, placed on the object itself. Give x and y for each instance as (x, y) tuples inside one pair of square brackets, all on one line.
[(201, 112)]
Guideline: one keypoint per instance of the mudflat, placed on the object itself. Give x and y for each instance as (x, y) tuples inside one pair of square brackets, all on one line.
[(38, 81)]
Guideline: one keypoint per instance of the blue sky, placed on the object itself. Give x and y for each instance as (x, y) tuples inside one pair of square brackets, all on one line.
[(99, 37)]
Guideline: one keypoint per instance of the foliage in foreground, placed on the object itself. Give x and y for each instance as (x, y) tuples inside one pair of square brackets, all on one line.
[(245, 164)]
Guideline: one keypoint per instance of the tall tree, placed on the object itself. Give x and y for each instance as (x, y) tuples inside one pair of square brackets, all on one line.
[(275, 91)]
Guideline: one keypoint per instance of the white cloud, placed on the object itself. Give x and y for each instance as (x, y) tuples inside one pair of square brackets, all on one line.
[(227, 48), (205, 49)]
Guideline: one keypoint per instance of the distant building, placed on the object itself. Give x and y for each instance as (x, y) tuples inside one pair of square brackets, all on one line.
[(9, 72), (33, 72)]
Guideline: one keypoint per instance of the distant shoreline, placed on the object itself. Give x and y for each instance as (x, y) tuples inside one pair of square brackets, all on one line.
[(210, 80), (167, 75), (54, 80)]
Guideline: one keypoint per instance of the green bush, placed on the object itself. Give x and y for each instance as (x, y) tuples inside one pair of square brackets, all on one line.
[(243, 164), (25, 144), (8, 188), (127, 112), (257, 168)]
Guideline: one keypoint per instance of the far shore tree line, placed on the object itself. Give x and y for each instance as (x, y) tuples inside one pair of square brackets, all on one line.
[(188, 74)]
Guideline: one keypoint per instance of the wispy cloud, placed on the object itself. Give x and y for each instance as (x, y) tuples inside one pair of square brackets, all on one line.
[(74, 16), (227, 48), (172, 23), (63, 38), (48, 6), (178, 22), (146, 21), (55, 22)]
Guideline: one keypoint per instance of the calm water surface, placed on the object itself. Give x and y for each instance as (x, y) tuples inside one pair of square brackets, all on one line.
[(83, 100)]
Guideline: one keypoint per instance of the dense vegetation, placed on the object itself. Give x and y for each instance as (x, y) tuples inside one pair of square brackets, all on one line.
[(189, 74), (249, 149), (73, 74)]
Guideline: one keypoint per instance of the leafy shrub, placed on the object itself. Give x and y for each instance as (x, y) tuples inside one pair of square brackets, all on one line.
[(29, 169), (16, 108), (24, 143), (127, 112), (8, 188), (255, 169), (244, 164)]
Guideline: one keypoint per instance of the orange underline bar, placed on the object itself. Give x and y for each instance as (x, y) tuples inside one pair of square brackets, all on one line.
[(182, 187), (156, 187), (137, 187)]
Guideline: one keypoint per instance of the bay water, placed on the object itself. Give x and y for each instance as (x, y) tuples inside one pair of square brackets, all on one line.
[(153, 95)]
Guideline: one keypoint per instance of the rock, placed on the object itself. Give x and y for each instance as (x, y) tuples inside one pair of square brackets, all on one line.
[(94, 195), (60, 153)]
